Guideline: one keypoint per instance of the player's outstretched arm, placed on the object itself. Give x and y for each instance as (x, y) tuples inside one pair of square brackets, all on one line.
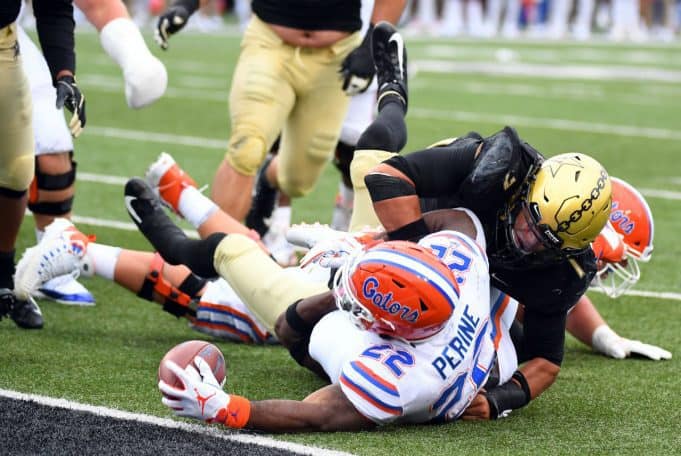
[(202, 398), (586, 324)]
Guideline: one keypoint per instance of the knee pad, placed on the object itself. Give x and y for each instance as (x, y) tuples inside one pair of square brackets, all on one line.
[(51, 182), (342, 159), (246, 153), (178, 301), (16, 175)]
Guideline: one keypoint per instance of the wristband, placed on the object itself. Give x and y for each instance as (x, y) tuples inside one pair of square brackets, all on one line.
[(236, 414), (507, 397), (410, 232)]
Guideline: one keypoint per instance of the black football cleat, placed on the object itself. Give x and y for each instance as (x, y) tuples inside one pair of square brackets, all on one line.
[(390, 59), (264, 200), (146, 211), (25, 312)]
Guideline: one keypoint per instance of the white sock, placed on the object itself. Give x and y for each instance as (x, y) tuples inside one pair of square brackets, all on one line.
[(102, 259), (282, 216), (122, 40), (195, 207)]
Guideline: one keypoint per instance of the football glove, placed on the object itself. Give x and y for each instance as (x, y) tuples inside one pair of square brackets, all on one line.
[(607, 342), (70, 97), (357, 69), (170, 22), (202, 397)]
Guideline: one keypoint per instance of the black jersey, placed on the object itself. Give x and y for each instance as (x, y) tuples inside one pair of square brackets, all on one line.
[(54, 21), (485, 175), (342, 15)]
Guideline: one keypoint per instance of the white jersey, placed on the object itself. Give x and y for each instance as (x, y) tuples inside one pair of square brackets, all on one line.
[(391, 380)]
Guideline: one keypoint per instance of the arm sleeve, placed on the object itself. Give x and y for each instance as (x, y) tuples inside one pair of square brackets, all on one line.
[(439, 170), (54, 21), (543, 336)]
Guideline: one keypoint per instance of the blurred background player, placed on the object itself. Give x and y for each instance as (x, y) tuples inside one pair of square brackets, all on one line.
[(283, 73), (54, 21), (145, 76), (270, 212)]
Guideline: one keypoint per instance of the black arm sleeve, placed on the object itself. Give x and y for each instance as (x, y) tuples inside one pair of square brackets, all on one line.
[(543, 337), (54, 20), (440, 170)]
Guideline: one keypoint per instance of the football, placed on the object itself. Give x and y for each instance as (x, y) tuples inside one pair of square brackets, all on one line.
[(184, 353)]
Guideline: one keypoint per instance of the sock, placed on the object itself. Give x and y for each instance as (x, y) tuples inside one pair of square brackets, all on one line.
[(7, 270), (388, 131), (122, 40), (281, 216), (103, 259), (195, 207)]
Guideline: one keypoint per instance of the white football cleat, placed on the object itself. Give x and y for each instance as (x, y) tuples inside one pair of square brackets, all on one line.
[(145, 82), (67, 290), (276, 242), (308, 235), (58, 253)]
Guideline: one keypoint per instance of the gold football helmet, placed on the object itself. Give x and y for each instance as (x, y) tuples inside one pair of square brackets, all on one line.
[(569, 201)]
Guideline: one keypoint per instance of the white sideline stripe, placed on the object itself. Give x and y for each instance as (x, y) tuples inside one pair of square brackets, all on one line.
[(163, 138), (547, 71), (170, 424), (551, 124), (114, 224), (669, 295)]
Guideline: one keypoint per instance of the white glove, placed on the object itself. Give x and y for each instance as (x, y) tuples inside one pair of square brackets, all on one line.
[(606, 341), (202, 398)]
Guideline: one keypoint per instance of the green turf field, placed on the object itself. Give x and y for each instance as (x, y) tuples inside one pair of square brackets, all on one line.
[(108, 355)]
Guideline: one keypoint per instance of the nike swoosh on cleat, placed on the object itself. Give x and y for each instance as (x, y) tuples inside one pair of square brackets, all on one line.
[(397, 39), (131, 211)]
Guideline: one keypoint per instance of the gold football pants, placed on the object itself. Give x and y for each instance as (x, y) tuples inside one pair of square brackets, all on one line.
[(296, 91), (16, 150), (266, 288)]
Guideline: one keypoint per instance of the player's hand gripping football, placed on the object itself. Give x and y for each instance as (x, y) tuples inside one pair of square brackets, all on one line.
[(70, 97), (357, 69), (202, 397), (170, 22)]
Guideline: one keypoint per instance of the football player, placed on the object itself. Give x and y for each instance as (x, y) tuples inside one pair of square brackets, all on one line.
[(625, 240), (286, 81), (539, 216), (54, 21), (146, 78), (52, 191)]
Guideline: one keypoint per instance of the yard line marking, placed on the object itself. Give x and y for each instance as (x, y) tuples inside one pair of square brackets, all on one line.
[(589, 72), (497, 119), (121, 180), (550, 124), (128, 226), (663, 194), (668, 295), (114, 224), (163, 138), (171, 424)]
